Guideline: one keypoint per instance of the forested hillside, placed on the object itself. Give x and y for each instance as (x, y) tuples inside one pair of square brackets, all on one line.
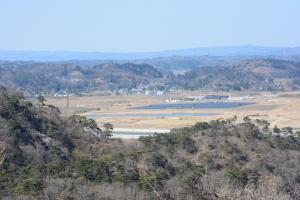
[(253, 74), (46, 156), (35, 78), (183, 63), (190, 73)]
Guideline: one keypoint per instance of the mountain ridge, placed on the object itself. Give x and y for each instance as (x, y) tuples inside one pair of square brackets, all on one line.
[(245, 50), (258, 74)]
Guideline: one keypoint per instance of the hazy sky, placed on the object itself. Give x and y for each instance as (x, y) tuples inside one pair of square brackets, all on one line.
[(146, 25)]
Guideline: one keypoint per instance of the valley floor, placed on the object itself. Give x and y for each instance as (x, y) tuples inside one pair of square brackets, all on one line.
[(281, 109)]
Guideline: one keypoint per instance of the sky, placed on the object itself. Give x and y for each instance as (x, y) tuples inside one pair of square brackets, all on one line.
[(146, 25)]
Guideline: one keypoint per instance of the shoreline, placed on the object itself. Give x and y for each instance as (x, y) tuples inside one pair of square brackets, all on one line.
[(128, 133)]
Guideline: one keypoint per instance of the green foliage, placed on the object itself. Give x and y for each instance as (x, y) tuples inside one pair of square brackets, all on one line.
[(38, 146), (276, 129), (93, 170), (243, 176), (251, 132), (57, 169), (201, 126), (53, 132), (247, 119), (172, 139), (153, 181), (230, 147), (147, 140), (15, 127), (107, 132), (18, 132), (55, 77), (242, 76), (284, 143), (189, 145), (127, 176), (191, 176), (84, 121), (41, 100), (159, 160), (263, 123), (29, 186)]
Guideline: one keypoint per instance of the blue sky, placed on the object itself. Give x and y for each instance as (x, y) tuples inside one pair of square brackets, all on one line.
[(146, 25)]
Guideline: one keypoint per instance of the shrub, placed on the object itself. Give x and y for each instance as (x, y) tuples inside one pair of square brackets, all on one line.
[(201, 126), (29, 186), (159, 160), (191, 176), (238, 174), (94, 170)]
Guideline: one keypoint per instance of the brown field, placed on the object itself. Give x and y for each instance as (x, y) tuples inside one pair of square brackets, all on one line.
[(282, 109)]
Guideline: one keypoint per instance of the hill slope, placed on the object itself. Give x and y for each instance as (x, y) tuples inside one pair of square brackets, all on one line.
[(215, 73), (253, 74), (35, 77), (46, 156)]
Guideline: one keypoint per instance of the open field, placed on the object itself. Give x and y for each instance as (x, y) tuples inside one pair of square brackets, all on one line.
[(282, 109)]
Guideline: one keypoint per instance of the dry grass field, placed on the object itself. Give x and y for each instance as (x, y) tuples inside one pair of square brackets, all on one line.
[(282, 109)]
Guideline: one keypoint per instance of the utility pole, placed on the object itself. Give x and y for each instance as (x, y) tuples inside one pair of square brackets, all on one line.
[(68, 99)]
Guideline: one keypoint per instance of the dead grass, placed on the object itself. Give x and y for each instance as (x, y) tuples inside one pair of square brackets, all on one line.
[(281, 109)]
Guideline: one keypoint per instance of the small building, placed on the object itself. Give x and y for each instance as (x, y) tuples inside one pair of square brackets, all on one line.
[(216, 97)]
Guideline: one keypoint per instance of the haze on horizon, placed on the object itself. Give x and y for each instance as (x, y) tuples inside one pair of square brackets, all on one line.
[(143, 26)]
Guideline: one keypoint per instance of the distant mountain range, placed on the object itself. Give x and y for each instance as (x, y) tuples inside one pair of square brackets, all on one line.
[(216, 68), (247, 50)]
